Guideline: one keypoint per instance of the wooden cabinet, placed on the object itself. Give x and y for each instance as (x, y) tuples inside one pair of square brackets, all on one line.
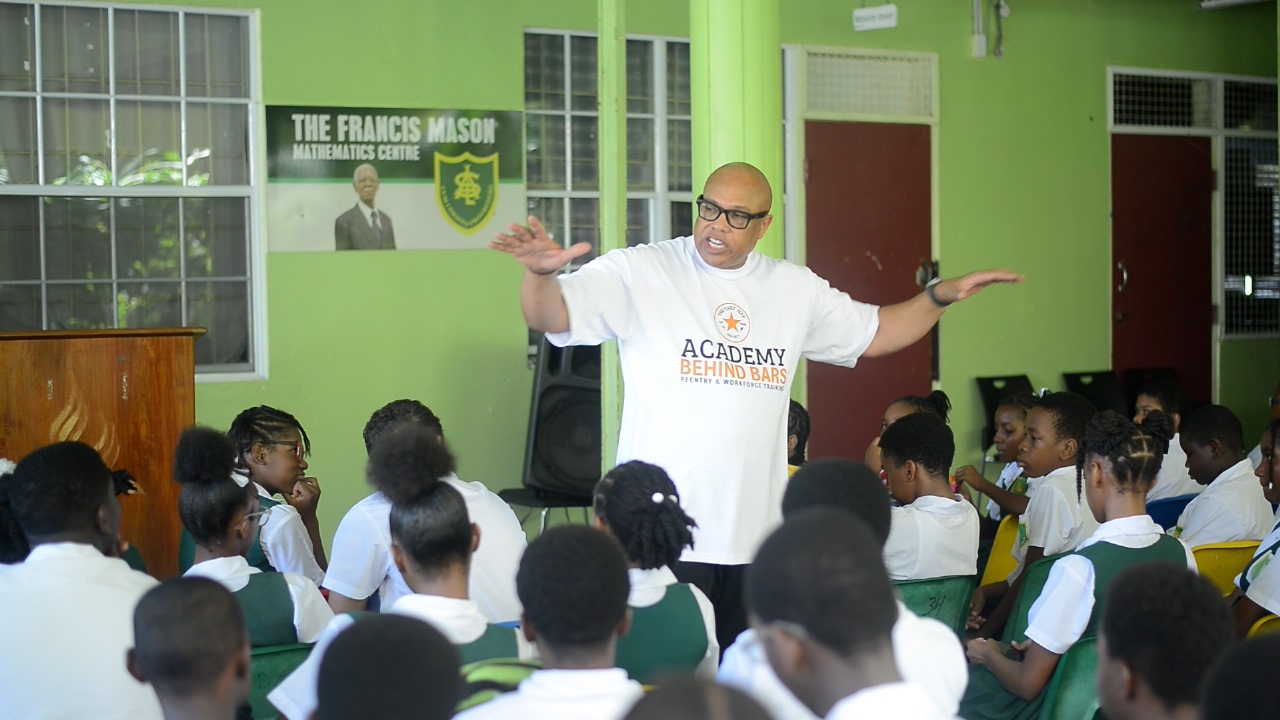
[(127, 393)]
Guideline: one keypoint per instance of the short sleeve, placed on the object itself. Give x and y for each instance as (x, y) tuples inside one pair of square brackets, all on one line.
[(598, 300), (287, 546), (1265, 587), (359, 560), (1059, 616), (902, 549), (1049, 521), (311, 614), (840, 328)]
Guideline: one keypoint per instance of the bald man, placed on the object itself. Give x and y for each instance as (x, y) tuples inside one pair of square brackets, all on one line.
[(364, 227), (709, 334)]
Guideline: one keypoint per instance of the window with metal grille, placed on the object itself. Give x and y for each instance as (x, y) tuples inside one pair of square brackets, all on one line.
[(126, 179), (561, 146)]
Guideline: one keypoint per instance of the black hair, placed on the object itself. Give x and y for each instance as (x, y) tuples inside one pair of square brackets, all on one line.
[(125, 483), (210, 498), (55, 489), (573, 584), (1274, 429), (1214, 422), (691, 698), (1023, 401), (798, 425), (817, 562), (1167, 393), (262, 424), (935, 403), (1168, 624), (185, 632), (1134, 451), (844, 485), (1243, 685), (428, 517), (641, 506), (389, 666), (924, 439), (396, 412), (1071, 413)]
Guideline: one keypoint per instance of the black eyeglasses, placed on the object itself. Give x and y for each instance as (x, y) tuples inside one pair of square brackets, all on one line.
[(737, 219)]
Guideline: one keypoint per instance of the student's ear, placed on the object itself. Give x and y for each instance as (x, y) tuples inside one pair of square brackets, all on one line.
[(397, 556), (624, 627), (1069, 448), (1176, 419), (1094, 469), (475, 537), (1128, 681), (526, 628), (131, 663), (789, 651), (792, 442), (910, 471), (102, 522), (598, 523), (1216, 449), (257, 454)]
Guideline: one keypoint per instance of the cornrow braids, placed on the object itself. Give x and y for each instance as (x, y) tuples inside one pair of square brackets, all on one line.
[(1134, 451), (935, 403), (641, 506), (262, 424)]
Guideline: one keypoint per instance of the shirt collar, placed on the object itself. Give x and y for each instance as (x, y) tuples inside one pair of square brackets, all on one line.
[(1234, 474), (458, 620), (224, 568), (49, 551), (560, 685), (657, 577), (1132, 525), (753, 259), (907, 701)]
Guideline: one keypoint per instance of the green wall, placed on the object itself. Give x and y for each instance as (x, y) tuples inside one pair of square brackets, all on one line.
[(1023, 175)]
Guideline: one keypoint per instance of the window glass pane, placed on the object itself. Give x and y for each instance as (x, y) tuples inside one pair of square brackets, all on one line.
[(639, 76), (147, 238), (679, 156), (584, 225), (17, 140), (1249, 106), (148, 304), (76, 142), (217, 56), (544, 142), (73, 49), (19, 307), (582, 56), (77, 238), (640, 154), (678, 79), (19, 238), (586, 170), (146, 52), (637, 222), (217, 144), (543, 72), (217, 236), (148, 143), (17, 47), (80, 306), (681, 218), (222, 308), (550, 212)]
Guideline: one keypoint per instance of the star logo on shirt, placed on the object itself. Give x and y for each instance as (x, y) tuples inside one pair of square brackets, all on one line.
[(732, 322)]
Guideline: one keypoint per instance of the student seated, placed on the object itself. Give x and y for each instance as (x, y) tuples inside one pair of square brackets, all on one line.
[(1119, 462), (432, 541), (689, 698), (1174, 480), (1055, 521), (935, 532), (1162, 631), (223, 519), (68, 607), (190, 643), (805, 580), (1258, 587), (1273, 406), (1008, 494), (362, 569), (638, 505), (797, 437), (935, 403), (927, 651), (1232, 506), (386, 666), (573, 584), (1244, 684)]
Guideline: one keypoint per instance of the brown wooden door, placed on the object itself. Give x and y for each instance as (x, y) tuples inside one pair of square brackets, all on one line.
[(867, 210), (1161, 252)]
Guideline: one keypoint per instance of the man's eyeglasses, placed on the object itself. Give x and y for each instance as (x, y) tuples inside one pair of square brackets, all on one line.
[(737, 219), (296, 448), (260, 517)]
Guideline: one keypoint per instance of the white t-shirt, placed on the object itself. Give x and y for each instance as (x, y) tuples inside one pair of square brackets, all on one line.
[(648, 587), (284, 538), (932, 537), (1060, 614), (310, 611), (563, 695), (708, 356), (1174, 480), (361, 562), (1231, 508), (899, 701), (1057, 519), (65, 625), (927, 652), (1007, 476)]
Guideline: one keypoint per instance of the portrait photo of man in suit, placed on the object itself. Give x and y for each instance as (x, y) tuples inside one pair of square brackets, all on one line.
[(364, 227)]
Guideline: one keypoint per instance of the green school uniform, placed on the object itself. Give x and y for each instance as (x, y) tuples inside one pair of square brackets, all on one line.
[(668, 636), (268, 610)]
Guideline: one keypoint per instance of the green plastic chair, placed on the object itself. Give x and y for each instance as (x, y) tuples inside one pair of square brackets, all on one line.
[(1072, 693), (271, 664), (1015, 630), (945, 599)]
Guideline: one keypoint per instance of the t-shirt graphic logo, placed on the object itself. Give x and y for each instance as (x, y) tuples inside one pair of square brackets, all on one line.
[(732, 322)]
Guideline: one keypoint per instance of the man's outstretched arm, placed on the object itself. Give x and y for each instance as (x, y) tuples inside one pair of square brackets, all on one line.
[(904, 323), (540, 299)]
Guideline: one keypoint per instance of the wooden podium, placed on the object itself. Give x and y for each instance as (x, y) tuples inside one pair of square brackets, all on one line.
[(126, 393)]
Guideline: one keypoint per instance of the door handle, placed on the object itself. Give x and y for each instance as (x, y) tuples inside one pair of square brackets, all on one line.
[(1124, 276)]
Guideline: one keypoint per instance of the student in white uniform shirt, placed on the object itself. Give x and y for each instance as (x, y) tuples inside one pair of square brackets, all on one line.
[(935, 532), (1055, 521), (362, 568), (1174, 480), (68, 603), (927, 652), (1258, 586), (839, 663), (573, 585), (222, 519), (673, 626), (1232, 506), (432, 542), (1008, 494)]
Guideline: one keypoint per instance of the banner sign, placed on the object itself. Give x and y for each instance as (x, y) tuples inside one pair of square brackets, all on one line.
[(391, 178)]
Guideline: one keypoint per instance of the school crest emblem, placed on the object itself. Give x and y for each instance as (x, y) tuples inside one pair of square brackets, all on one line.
[(467, 189)]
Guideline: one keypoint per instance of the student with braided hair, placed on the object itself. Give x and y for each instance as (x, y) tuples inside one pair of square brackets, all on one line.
[(1118, 463), (673, 624), (1258, 587)]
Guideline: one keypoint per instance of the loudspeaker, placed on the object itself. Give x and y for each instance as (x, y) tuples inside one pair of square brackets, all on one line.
[(562, 454)]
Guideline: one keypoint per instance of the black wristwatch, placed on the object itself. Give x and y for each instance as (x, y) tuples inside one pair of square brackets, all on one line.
[(933, 296)]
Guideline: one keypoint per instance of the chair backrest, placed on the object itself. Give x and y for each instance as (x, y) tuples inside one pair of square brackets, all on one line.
[(1101, 388), (945, 599), (1266, 625), (992, 390), (1015, 630), (270, 665), (1000, 562), (1166, 511), (1072, 693), (1220, 563)]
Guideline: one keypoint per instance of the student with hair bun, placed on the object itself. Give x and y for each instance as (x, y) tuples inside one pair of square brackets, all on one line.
[(223, 519), (935, 403), (673, 624)]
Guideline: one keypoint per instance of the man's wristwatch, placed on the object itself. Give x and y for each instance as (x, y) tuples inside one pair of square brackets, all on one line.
[(933, 294)]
